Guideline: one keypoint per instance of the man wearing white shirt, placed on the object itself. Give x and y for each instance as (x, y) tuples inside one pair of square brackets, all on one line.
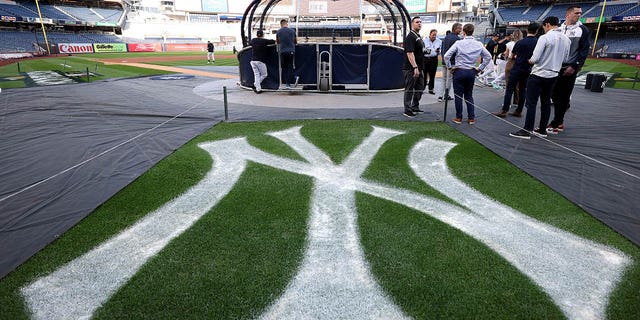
[(431, 51), (466, 51), (551, 50)]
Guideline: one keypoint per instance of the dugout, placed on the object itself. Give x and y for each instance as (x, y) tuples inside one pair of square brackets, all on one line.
[(332, 66)]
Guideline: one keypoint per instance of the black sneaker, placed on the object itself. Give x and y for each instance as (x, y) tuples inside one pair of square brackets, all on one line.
[(440, 99), (521, 134), (417, 111), (409, 114), (449, 98), (431, 92), (542, 133)]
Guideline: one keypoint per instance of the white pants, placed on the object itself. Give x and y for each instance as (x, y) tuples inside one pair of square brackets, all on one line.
[(446, 81), (259, 73), (501, 65), (210, 56)]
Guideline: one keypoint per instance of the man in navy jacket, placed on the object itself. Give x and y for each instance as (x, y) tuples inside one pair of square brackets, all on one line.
[(579, 36)]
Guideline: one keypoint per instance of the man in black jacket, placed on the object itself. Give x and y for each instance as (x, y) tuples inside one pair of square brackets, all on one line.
[(413, 75), (448, 41), (260, 52), (210, 57)]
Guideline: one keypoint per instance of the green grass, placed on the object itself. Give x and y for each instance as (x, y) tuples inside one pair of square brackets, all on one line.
[(240, 256), (73, 64), (620, 70), (80, 63)]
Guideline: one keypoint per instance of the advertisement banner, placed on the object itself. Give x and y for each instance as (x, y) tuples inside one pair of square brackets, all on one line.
[(106, 24), (416, 6), (186, 47), (144, 47), (626, 18), (593, 19), (110, 47), (214, 6), (75, 47)]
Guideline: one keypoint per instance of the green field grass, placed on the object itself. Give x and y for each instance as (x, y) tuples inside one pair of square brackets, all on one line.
[(624, 73), (10, 77), (238, 258)]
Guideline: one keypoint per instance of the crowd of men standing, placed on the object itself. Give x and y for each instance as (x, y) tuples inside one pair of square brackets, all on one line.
[(541, 66)]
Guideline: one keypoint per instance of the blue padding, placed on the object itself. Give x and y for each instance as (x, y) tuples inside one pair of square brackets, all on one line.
[(349, 64), (386, 68), (306, 64)]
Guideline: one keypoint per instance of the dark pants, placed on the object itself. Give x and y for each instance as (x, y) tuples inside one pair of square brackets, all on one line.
[(538, 87), (562, 96), (286, 63), (430, 68), (517, 81), (413, 88), (463, 80)]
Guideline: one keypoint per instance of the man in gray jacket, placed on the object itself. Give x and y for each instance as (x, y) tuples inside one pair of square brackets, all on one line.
[(551, 51), (579, 36)]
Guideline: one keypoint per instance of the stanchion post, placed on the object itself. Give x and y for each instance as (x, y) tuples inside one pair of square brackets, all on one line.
[(226, 107), (88, 78), (446, 103), (19, 67)]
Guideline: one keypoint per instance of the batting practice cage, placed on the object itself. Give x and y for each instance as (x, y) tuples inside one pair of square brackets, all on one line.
[(330, 57)]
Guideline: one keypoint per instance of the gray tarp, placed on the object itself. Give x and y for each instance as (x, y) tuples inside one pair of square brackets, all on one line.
[(52, 170)]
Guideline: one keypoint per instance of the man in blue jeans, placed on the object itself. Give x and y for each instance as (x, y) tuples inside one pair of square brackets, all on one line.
[(287, 40), (550, 52), (522, 50), (466, 51)]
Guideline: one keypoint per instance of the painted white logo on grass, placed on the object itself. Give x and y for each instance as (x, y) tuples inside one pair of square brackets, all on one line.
[(334, 280)]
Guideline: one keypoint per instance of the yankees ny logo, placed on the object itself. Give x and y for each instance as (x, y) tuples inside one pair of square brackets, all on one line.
[(334, 279)]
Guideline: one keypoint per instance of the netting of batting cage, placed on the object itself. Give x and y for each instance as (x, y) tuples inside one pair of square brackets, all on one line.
[(266, 14)]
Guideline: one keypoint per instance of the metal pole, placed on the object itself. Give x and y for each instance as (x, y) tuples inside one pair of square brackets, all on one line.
[(446, 103), (19, 67), (44, 32), (595, 41), (88, 78), (226, 106)]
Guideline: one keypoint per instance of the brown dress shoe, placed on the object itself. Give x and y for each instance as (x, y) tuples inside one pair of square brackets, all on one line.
[(516, 114), (500, 114)]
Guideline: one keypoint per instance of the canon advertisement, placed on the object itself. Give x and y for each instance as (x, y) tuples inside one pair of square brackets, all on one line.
[(75, 47)]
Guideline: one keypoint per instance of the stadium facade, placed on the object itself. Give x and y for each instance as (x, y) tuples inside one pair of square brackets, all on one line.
[(152, 25)]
